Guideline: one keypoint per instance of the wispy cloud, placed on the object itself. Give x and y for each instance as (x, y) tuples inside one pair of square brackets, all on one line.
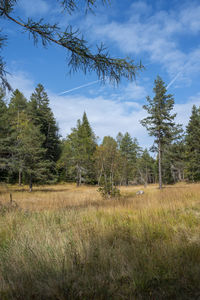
[(34, 7), (156, 35), (107, 115)]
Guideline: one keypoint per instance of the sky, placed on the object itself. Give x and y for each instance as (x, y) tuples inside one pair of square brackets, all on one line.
[(163, 35)]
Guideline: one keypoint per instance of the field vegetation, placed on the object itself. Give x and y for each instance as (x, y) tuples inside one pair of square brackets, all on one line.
[(63, 242)]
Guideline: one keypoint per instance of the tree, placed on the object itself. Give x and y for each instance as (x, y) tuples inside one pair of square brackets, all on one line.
[(129, 150), (41, 115), (78, 151), (174, 162), (146, 168), (81, 56), (193, 146), (160, 120), (28, 153), (108, 162), (16, 109), (4, 138)]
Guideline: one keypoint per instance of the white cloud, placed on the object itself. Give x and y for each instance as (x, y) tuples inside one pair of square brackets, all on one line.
[(107, 116), (135, 92), (22, 81), (34, 7), (156, 35)]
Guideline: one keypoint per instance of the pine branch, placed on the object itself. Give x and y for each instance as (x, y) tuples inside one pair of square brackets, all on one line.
[(81, 56)]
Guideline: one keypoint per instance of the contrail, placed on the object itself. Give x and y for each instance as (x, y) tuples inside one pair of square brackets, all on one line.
[(179, 73), (79, 87), (174, 79)]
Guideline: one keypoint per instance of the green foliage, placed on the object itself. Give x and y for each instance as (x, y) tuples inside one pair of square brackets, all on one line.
[(193, 146), (160, 120), (108, 162), (107, 189), (4, 138), (129, 151), (80, 55), (41, 115), (77, 155), (146, 168)]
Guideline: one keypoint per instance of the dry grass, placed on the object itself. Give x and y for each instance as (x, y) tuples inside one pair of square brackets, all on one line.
[(67, 243)]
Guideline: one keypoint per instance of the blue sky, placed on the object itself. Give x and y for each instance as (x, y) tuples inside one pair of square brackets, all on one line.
[(164, 35)]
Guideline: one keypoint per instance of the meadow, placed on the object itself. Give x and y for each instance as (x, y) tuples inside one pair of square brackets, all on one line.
[(63, 242)]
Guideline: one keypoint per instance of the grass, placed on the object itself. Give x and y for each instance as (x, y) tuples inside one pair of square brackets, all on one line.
[(63, 242)]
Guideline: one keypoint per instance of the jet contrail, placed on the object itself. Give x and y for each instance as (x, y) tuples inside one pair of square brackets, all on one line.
[(174, 79), (79, 87)]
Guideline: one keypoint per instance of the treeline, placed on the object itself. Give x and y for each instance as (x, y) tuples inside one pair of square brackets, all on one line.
[(32, 151)]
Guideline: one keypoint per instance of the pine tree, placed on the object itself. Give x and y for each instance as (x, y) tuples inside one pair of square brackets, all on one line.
[(4, 138), (42, 116), (146, 168), (160, 121), (79, 55), (16, 109), (28, 153), (129, 150), (77, 154), (193, 146)]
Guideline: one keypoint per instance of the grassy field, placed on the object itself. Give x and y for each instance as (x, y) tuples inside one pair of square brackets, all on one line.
[(63, 242)]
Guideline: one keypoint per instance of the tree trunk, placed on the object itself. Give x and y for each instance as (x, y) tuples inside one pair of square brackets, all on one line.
[(30, 184), (20, 177), (160, 164), (77, 177)]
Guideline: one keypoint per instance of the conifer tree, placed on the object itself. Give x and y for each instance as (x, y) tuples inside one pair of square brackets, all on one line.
[(28, 153), (146, 168), (16, 109), (79, 55), (78, 150), (160, 120), (41, 115), (4, 138), (193, 146), (129, 150)]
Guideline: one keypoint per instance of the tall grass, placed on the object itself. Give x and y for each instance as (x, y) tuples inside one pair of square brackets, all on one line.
[(67, 243)]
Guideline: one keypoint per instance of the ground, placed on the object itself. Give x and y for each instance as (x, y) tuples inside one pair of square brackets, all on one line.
[(63, 242)]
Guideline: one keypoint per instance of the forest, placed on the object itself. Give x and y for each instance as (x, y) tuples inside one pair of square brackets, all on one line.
[(33, 152)]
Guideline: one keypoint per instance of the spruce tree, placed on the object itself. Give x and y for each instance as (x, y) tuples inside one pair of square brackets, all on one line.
[(4, 138), (28, 153), (41, 115), (129, 150), (16, 109), (160, 120), (146, 168), (77, 154), (193, 146)]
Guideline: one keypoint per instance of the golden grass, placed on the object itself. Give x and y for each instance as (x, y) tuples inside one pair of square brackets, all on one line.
[(67, 243)]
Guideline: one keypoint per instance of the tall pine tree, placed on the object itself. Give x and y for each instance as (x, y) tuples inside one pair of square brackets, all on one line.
[(160, 120), (77, 155), (4, 138), (193, 146)]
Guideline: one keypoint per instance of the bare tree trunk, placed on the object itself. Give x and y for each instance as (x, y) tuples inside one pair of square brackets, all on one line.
[(77, 176), (30, 184), (99, 179), (159, 164), (20, 177)]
